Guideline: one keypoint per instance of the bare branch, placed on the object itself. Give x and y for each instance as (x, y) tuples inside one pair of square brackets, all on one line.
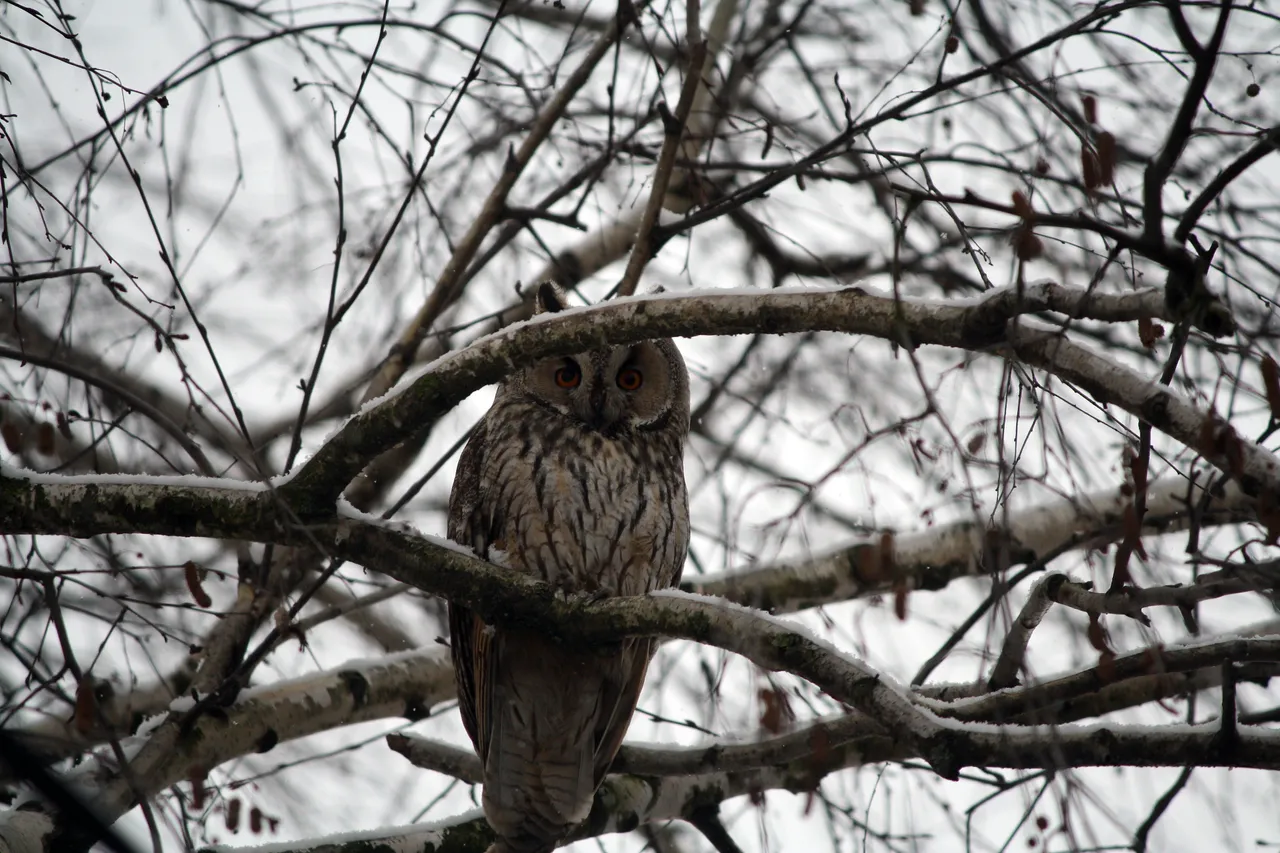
[(931, 559), (1009, 664), (674, 127), (850, 310), (1157, 172), (626, 801), (125, 395), (405, 685)]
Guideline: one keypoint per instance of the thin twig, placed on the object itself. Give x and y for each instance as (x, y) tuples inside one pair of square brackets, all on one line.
[(1009, 664), (57, 273), (125, 395), (673, 127), (1157, 811)]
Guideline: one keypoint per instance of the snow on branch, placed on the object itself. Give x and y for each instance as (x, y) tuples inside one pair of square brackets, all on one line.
[(172, 746), (627, 801), (985, 325), (930, 559)]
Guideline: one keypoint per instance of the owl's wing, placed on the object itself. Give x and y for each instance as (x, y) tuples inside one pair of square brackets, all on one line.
[(618, 702), (622, 691), (468, 638)]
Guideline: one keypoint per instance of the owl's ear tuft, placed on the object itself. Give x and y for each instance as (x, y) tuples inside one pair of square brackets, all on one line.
[(550, 299)]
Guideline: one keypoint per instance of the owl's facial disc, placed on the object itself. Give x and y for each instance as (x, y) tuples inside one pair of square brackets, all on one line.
[(606, 390)]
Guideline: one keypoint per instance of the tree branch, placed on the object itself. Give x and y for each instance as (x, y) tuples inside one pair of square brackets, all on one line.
[(1009, 664), (1160, 167), (1268, 142), (673, 130), (931, 559), (625, 802), (964, 325), (124, 395), (405, 685)]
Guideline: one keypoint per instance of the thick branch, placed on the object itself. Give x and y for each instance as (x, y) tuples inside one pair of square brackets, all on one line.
[(931, 559), (767, 642), (964, 325), (496, 595), (446, 571), (625, 802), (405, 685)]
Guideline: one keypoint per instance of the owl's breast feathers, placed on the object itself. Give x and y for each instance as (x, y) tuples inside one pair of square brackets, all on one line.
[(584, 511)]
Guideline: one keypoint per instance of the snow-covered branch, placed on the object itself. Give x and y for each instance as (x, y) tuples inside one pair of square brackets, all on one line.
[(968, 325), (930, 559), (171, 747), (626, 801)]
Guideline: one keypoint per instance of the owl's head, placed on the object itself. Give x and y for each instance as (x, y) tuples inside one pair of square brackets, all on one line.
[(616, 390)]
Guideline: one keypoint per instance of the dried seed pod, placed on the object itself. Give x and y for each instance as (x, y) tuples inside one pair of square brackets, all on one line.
[(1106, 144)]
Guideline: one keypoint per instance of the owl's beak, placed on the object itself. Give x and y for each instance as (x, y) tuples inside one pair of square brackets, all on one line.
[(600, 415)]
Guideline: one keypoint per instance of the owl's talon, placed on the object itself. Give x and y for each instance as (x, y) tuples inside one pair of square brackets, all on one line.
[(595, 596), (564, 589)]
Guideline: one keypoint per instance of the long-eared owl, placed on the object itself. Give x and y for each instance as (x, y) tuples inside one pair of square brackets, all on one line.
[(575, 476)]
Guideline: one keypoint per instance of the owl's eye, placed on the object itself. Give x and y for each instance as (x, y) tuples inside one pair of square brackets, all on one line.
[(630, 379), (568, 376)]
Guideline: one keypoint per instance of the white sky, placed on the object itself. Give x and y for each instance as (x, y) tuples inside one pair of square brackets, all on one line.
[(259, 276)]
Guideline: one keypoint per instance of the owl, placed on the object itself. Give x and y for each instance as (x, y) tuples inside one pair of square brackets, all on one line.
[(575, 476)]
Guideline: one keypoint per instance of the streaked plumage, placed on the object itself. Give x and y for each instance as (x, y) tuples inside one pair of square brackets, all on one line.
[(581, 485)]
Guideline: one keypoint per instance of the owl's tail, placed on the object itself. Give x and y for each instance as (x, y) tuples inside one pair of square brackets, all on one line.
[(556, 718)]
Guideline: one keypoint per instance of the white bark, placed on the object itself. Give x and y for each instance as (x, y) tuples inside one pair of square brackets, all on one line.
[(930, 559), (403, 685), (968, 325)]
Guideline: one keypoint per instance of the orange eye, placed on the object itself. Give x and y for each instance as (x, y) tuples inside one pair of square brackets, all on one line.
[(630, 379), (568, 376)]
